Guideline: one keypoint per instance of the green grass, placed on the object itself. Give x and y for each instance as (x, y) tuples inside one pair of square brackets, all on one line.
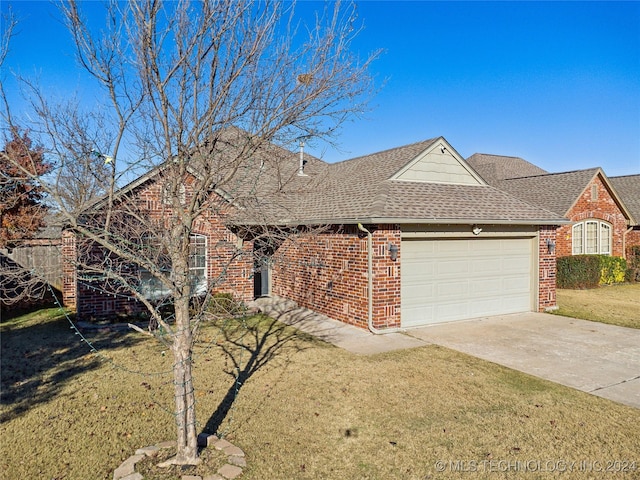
[(616, 304), (304, 409)]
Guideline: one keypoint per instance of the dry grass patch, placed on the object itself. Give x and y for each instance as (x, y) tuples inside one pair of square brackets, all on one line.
[(616, 304), (303, 410)]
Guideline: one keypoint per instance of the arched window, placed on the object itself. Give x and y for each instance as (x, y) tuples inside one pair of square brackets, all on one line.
[(591, 237)]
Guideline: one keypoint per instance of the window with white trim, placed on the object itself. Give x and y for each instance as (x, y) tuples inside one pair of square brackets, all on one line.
[(605, 238), (578, 238), (198, 263), (591, 237), (152, 288)]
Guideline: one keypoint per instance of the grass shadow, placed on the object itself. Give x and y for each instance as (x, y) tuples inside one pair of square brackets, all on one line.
[(41, 354), (251, 344)]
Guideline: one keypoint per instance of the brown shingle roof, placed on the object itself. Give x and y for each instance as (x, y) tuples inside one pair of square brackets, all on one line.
[(628, 187), (494, 168), (556, 192), (266, 187), (360, 189)]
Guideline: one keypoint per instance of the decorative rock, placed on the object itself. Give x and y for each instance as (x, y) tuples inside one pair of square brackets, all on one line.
[(151, 451), (133, 476), (222, 444), (230, 471), (238, 461), (127, 467), (167, 444), (232, 450)]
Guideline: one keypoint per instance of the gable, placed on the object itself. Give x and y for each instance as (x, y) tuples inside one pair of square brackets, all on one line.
[(598, 199), (439, 164)]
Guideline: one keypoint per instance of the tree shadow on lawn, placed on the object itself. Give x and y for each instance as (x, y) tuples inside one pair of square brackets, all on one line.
[(40, 358), (250, 346)]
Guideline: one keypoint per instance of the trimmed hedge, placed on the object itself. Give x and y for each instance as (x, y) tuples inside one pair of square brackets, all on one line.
[(580, 271), (590, 271)]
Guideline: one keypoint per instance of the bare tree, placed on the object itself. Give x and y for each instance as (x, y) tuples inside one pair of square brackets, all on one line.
[(199, 94)]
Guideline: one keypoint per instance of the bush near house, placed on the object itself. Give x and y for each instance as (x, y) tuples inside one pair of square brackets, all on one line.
[(633, 263), (613, 270), (590, 271)]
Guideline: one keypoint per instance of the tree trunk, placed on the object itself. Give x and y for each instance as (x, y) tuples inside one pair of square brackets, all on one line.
[(187, 447)]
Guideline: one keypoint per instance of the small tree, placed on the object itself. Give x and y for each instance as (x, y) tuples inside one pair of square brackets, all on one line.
[(21, 196), (197, 93)]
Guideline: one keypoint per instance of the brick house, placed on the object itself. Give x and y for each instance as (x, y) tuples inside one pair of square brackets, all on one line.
[(400, 238), (628, 187), (599, 218)]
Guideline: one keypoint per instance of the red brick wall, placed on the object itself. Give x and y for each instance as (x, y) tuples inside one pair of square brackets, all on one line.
[(547, 269), (327, 272), (229, 269), (633, 237), (604, 208)]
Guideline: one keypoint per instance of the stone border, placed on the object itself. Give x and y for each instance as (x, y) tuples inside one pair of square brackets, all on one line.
[(236, 460)]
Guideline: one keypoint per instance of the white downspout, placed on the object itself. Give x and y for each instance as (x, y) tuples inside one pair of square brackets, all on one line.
[(372, 329)]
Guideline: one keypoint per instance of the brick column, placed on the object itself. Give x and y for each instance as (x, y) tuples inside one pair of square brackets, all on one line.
[(546, 270)]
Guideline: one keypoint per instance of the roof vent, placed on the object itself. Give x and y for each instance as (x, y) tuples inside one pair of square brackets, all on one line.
[(303, 162)]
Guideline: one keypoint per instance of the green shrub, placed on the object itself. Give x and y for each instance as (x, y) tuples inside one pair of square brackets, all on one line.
[(590, 271), (580, 271), (633, 263), (224, 304), (613, 270)]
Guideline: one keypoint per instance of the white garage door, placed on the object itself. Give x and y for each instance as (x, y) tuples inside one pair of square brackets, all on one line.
[(446, 280)]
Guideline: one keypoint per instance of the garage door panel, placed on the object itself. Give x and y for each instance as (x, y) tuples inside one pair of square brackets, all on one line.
[(416, 312), (515, 284), (451, 311), (446, 280), (484, 307), (481, 247), (452, 269), (418, 295), (486, 288), (451, 289), (480, 266), (516, 265)]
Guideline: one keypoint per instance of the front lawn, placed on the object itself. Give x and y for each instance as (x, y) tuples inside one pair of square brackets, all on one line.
[(303, 409), (616, 304)]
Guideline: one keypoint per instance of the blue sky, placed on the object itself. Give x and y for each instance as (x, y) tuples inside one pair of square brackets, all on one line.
[(557, 83)]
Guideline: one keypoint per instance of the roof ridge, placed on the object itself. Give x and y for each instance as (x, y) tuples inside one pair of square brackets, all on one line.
[(385, 151), (624, 176), (503, 156), (554, 173)]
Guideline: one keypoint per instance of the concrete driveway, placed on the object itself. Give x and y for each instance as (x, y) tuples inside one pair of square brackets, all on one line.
[(600, 359)]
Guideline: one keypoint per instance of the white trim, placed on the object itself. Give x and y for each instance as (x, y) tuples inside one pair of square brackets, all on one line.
[(580, 240), (195, 237)]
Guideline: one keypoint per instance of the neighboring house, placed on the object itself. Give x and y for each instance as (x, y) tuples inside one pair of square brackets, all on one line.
[(401, 238), (599, 217), (628, 187)]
